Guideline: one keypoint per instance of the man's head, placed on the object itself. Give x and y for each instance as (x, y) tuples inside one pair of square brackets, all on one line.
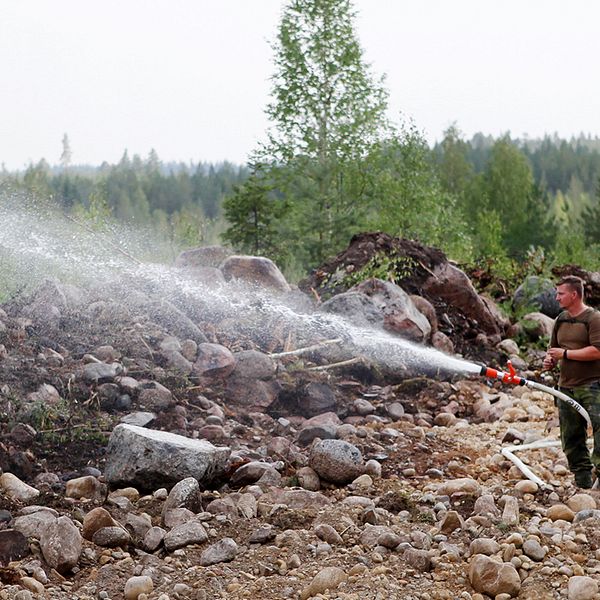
[(569, 291)]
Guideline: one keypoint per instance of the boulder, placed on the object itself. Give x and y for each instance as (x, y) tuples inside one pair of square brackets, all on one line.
[(400, 315), (214, 360), (539, 294), (452, 285), (206, 256), (356, 307), (150, 459), (255, 270)]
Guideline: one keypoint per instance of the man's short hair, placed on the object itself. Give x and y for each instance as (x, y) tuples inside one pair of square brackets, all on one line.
[(575, 284)]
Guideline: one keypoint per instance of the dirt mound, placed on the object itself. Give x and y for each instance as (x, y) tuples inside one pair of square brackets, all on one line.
[(411, 266)]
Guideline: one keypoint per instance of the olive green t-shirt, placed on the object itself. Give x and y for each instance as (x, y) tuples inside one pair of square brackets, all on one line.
[(573, 334)]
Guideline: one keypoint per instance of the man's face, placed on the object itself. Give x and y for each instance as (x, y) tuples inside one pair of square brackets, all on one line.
[(565, 296)]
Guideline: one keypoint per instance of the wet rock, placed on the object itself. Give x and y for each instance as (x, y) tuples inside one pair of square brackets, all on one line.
[(214, 360), (400, 315), (357, 307), (206, 256), (255, 270), (309, 433), (452, 285), (440, 341), (491, 577), (146, 458), (252, 394), (224, 550), (315, 399), (252, 364), (336, 461)]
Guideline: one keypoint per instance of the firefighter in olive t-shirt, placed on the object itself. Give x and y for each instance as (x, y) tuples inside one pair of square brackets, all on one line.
[(575, 343)]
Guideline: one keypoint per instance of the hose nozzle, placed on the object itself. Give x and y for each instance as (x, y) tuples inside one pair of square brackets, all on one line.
[(510, 377)]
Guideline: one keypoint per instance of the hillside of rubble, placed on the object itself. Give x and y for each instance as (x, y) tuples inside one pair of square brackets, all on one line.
[(209, 430)]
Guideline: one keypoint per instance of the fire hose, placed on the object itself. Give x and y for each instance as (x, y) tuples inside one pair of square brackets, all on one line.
[(511, 377)]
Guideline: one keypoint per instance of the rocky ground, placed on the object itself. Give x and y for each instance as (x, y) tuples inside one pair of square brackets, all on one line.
[(277, 471)]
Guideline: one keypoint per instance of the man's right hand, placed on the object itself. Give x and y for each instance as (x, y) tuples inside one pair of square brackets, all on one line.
[(549, 362)]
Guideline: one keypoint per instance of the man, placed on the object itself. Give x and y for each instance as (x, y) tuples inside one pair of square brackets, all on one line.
[(575, 344)]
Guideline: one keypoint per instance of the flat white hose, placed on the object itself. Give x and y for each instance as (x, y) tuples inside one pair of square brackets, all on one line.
[(558, 394), (508, 451)]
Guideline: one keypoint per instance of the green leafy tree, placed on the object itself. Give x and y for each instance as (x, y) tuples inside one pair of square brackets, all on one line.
[(455, 170), (408, 198), (327, 111), (509, 189), (590, 220), (254, 208)]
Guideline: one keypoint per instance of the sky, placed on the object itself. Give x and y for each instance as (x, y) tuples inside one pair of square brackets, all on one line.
[(190, 78)]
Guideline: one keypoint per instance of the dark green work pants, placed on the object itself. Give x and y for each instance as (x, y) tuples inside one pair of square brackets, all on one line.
[(573, 430)]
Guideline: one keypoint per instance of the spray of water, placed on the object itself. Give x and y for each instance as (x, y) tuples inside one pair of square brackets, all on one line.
[(37, 242)]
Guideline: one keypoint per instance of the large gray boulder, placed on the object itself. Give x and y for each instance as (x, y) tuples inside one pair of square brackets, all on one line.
[(151, 459), (356, 307), (400, 315)]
